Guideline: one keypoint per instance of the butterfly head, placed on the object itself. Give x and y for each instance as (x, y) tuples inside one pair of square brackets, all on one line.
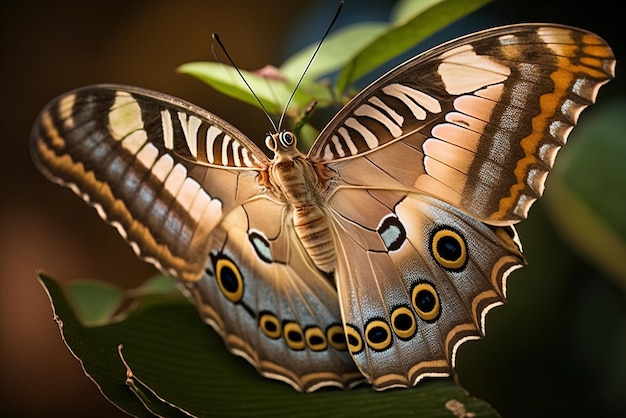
[(283, 144)]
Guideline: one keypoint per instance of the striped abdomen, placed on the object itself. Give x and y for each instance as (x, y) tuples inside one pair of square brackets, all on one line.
[(316, 237), (297, 182)]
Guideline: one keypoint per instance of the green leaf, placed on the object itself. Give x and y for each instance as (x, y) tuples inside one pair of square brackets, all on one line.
[(354, 50), (431, 15), (149, 399), (93, 347), (157, 284), (273, 91), (95, 302), (405, 10), (587, 197), (335, 51), (173, 364)]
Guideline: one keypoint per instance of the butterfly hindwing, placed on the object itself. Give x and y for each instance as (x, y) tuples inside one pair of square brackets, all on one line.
[(416, 277), (162, 171), (476, 122), (270, 303)]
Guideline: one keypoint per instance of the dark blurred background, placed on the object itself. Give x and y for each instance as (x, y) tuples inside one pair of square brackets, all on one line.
[(541, 349)]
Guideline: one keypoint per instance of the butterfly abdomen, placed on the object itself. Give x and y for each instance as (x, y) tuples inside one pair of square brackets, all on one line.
[(295, 180), (315, 235)]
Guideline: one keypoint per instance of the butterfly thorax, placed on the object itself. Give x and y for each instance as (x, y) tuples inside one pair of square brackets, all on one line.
[(293, 179)]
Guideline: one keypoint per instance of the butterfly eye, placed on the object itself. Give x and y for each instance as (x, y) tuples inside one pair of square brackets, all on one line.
[(287, 139)]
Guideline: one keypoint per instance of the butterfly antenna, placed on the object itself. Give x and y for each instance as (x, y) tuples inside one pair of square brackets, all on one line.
[(319, 45), (232, 62)]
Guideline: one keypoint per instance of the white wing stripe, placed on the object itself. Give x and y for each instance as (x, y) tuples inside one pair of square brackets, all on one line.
[(190, 125), (124, 116), (338, 146), (399, 120), (175, 179), (416, 101), (211, 134), (236, 158), (368, 136), (370, 112), (135, 141), (168, 129), (225, 145), (148, 155)]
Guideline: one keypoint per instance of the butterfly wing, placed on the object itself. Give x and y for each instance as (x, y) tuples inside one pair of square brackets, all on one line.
[(180, 185), (476, 122), (416, 277), (271, 304), (162, 171), (434, 162)]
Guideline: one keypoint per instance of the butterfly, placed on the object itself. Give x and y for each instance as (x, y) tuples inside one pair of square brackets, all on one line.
[(377, 254)]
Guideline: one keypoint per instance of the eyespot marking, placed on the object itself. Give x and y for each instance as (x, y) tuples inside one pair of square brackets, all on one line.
[(270, 325), (448, 248), (315, 339), (294, 337), (336, 337), (426, 301), (403, 322), (229, 278), (354, 339), (378, 335)]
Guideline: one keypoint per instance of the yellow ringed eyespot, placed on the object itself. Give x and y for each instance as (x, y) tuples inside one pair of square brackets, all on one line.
[(426, 301), (336, 337), (403, 322), (355, 341), (294, 337), (449, 249), (378, 335), (229, 279), (315, 339), (270, 325)]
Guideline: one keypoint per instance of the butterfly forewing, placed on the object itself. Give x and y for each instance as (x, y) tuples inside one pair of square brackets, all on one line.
[(476, 122), (149, 164)]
